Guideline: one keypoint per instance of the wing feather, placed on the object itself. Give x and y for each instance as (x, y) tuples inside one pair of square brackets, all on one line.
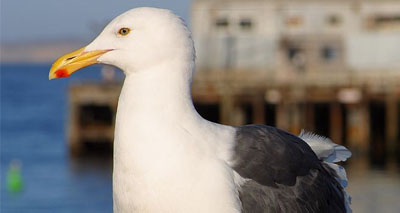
[(283, 173)]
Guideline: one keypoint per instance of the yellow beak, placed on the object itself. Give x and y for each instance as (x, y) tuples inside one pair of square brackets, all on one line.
[(72, 62)]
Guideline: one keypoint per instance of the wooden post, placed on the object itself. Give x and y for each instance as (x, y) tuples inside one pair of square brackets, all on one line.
[(227, 109), (295, 119), (73, 128), (336, 123), (282, 116), (392, 124), (358, 121)]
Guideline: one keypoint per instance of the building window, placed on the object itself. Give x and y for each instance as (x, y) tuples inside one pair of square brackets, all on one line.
[(297, 57), (246, 24), (394, 19), (333, 20), (222, 23), (387, 21), (328, 53), (293, 52)]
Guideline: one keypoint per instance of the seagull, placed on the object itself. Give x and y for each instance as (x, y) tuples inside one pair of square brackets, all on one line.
[(167, 158)]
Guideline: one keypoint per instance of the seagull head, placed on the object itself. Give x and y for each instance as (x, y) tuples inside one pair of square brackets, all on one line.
[(134, 41)]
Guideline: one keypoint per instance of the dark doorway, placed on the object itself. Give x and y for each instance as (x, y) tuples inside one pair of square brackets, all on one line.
[(270, 114), (398, 134), (208, 111), (92, 114), (322, 119), (248, 113), (344, 124), (96, 147), (377, 133)]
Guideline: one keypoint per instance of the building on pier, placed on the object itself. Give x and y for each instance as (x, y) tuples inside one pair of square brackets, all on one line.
[(328, 66)]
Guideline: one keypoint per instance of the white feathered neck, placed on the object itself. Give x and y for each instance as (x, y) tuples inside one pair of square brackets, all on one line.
[(164, 152)]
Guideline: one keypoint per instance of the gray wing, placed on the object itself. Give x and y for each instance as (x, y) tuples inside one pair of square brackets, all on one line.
[(284, 174)]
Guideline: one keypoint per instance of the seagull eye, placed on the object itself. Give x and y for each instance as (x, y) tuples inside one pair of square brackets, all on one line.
[(124, 31)]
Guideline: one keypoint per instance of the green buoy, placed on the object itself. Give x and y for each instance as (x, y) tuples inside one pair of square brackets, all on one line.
[(14, 177)]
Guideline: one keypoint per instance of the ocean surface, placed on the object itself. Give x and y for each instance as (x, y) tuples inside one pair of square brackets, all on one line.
[(33, 120)]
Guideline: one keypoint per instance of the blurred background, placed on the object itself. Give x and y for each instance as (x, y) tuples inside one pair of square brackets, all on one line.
[(328, 66)]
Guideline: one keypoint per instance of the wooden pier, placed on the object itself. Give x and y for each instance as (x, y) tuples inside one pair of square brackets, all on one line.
[(360, 110), (92, 108)]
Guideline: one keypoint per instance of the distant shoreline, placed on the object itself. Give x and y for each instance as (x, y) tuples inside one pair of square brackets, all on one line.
[(39, 52)]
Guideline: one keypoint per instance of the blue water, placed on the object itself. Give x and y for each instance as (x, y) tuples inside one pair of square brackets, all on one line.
[(33, 119)]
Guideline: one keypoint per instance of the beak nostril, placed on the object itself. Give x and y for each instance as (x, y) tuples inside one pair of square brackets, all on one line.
[(70, 58)]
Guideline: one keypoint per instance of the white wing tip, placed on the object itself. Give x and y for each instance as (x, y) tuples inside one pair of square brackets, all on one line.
[(324, 148), (331, 153)]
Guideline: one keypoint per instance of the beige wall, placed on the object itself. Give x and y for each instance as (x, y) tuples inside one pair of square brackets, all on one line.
[(361, 46)]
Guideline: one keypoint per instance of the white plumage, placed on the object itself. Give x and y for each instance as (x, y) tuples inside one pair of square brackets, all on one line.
[(166, 157)]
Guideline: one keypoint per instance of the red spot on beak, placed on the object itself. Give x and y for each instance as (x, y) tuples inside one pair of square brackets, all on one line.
[(61, 73)]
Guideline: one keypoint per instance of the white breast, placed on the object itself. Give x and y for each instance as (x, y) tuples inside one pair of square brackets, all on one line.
[(170, 162)]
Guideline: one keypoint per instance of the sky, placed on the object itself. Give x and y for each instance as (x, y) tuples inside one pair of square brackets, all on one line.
[(47, 20)]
